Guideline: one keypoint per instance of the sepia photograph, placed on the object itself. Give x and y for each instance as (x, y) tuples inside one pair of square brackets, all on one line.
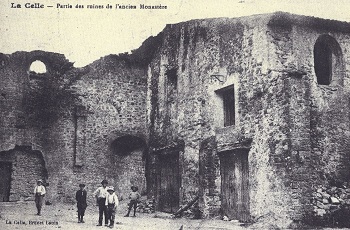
[(174, 114)]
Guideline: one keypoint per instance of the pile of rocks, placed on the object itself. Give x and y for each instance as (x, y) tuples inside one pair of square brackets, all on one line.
[(146, 206), (327, 200), (331, 206)]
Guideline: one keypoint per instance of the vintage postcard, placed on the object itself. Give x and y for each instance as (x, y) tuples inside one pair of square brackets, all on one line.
[(174, 114)]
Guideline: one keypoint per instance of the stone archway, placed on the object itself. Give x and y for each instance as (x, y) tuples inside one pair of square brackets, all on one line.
[(129, 163), (20, 167)]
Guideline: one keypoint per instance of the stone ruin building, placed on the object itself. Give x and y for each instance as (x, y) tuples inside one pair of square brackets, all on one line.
[(249, 114)]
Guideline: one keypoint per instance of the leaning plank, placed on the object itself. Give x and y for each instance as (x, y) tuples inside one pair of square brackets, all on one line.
[(187, 206)]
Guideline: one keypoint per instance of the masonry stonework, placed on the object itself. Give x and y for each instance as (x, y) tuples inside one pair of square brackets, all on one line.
[(171, 115)]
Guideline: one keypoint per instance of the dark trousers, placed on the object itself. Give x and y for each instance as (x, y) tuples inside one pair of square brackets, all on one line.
[(81, 212), (39, 202), (111, 214), (133, 203), (102, 210)]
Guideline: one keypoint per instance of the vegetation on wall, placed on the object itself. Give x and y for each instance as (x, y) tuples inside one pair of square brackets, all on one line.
[(51, 95)]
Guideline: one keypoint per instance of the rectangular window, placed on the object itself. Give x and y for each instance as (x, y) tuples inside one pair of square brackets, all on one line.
[(171, 86), (172, 80), (228, 99), (80, 139)]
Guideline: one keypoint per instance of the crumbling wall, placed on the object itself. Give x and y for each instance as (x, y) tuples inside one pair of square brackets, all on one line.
[(23, 122), (72, 116)]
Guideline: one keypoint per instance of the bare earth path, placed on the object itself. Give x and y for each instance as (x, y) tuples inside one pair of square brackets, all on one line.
[(21, 215)]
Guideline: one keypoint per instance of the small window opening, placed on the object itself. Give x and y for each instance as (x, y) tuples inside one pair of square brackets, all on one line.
[(172, 78), (228, 99), (37, 67), (171, 84)]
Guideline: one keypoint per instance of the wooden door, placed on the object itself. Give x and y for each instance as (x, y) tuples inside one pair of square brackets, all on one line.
[(5, 180), (235, 184), (169, 183)]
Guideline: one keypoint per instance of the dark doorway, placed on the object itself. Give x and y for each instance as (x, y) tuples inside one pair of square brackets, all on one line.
[(129, 164), (235, 184), (169, 182), (5, 180)]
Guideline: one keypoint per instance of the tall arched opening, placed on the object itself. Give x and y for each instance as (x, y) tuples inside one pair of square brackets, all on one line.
[(328, 61), (20, 168)]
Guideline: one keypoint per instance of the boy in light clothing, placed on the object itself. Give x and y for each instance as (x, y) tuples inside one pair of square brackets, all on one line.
[(39, 192), (112, 203)]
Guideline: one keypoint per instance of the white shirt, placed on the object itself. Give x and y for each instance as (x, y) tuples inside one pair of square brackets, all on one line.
[(40, 189), (101, 192), (112, 199)]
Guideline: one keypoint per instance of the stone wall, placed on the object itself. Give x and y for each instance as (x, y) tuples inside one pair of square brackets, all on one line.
[(318, 116), (295, 129), (235, 49), (114, 99)]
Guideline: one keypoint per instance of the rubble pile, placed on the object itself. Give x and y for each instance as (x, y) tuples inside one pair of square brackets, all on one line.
[(332, 204), (146, 206)]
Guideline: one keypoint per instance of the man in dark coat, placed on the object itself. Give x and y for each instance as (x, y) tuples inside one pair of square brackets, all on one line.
[(80, 196)]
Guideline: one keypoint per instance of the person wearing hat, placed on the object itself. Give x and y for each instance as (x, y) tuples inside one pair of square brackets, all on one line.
[(80, 196), (39, 192), (112, 203), (100, 195), (134, 197)]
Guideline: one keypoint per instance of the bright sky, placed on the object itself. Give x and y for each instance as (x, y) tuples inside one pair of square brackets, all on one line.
[(85, 35)]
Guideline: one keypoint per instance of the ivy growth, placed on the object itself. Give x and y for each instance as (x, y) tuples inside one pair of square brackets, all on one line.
[(52, 95)]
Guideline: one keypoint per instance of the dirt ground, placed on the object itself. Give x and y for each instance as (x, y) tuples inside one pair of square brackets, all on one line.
[(21, 215)]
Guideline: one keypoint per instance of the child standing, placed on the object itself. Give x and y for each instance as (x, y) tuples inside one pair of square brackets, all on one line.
[(39, 192), (112, 203), (134, 197), (80, 196)]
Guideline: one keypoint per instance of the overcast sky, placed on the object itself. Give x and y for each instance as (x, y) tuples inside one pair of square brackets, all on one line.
[(85, 35)]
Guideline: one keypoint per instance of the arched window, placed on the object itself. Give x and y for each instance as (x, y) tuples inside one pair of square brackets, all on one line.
[(37, 67), (327, 60)]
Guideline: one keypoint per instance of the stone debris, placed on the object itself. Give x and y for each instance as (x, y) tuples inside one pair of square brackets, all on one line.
[(327, 201), (147, 206)]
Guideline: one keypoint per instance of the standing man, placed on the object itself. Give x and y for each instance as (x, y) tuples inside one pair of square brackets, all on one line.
[(80, 196), (100, 195), (39, 192)]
